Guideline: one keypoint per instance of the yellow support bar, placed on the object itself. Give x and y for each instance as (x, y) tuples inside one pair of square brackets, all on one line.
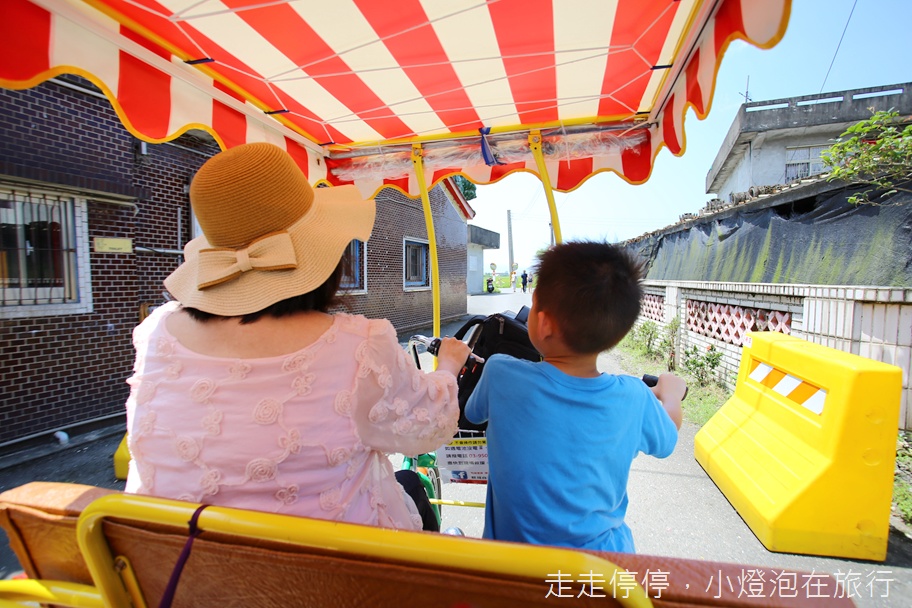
[(122, 460), (418, 161), (28, 592), (436, 550), (535, 142), (456, 503)]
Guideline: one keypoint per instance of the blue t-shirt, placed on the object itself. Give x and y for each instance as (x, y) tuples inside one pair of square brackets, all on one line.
[(560, 449)]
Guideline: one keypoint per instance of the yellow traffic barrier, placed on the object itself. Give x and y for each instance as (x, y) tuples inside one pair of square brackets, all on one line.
[(805, 448), (122, 459)]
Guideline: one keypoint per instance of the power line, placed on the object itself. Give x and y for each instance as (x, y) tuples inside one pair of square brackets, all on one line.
[(837, 47)]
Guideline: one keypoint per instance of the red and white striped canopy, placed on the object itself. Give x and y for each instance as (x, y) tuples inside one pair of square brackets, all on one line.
[(348, 86)]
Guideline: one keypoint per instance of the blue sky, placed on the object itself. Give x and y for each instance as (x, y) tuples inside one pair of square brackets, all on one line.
[(876, 50)]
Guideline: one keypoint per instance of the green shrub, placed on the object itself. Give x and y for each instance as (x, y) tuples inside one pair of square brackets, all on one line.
[(645, 337), (669, 340), (702, 366)]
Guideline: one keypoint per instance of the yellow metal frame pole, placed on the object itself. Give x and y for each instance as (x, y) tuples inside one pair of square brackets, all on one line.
[(535, 143), (418, 161)]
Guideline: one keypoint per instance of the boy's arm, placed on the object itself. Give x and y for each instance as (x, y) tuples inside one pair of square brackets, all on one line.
[(669, 390), (476, 409)]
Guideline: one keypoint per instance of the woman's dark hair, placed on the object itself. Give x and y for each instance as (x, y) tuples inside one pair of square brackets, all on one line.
[(592, 291), (321, 299)]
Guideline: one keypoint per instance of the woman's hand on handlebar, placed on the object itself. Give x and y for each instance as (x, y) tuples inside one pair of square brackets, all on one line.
[(452, 355), (670, 390)]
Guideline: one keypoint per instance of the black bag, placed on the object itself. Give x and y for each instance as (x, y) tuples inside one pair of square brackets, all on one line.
[(499, 334)]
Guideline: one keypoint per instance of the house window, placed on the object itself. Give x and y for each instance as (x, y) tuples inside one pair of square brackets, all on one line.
[(804, 161), (416, 264), (37, 248), (354, 266)]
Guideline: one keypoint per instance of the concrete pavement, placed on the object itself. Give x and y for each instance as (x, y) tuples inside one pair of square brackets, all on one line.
[(675, 508)]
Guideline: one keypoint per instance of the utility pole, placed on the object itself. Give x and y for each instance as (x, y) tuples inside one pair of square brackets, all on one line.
[(510, 240)]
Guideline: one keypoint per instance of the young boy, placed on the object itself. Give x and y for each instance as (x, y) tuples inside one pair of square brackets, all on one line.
[(561, 435)]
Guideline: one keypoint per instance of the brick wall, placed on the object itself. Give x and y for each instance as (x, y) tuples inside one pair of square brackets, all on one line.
[(67, 369), (399, 218)]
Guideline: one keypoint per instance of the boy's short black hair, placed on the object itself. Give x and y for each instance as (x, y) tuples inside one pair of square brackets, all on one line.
[(591, 290)]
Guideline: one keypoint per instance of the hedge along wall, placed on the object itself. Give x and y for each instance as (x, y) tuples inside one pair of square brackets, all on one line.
[(871, 322)]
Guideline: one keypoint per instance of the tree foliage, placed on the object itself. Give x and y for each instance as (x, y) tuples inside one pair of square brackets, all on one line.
[(467, 187), (875, 152)]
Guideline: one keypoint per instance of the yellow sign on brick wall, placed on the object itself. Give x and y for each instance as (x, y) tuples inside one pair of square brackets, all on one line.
[(107, 245)]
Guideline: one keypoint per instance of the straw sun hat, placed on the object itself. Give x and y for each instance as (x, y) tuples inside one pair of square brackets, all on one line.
[(267, 235)]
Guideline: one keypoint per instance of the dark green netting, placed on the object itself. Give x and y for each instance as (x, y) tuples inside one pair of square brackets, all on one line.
[(821, 240)]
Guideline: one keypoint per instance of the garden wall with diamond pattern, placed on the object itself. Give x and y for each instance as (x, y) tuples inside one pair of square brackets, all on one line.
[(870, 322)]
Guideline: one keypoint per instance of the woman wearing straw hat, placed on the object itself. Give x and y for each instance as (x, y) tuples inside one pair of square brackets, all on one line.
[(246, 392)]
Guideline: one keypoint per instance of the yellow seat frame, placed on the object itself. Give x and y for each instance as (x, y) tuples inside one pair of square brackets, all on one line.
[(429, 550)]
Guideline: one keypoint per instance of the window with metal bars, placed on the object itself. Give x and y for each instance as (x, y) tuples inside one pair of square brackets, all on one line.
[(416, 264), (803, 161), (37, 248), (354, 263)]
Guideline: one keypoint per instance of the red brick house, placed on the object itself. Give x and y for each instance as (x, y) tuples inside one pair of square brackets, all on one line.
[(92, 220)]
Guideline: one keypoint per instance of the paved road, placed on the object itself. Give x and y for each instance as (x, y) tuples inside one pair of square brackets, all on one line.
[(675, 508)]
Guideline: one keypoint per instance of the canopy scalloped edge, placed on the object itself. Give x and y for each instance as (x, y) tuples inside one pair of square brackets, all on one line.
[(158, 97)]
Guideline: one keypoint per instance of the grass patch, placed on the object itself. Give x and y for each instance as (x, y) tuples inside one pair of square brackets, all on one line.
[(701, 402), (634, 362), (704, 401), (902, 479), (902, 499)]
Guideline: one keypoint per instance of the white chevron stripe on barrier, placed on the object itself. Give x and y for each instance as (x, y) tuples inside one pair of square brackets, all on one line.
[(807, 395)]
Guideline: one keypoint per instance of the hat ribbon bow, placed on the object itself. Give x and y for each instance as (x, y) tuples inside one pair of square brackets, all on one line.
[(221, 264)]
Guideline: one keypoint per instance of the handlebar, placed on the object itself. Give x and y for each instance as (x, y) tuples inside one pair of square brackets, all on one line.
[(432, 345), (651, 381)]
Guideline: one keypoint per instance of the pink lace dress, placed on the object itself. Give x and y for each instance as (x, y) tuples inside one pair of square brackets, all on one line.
[(303, 434)]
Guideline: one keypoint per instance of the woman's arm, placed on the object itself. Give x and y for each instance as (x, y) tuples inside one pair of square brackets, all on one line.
[(398, 408)]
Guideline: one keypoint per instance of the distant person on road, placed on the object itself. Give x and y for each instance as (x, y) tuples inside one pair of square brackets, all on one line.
[(513, 280), (525, 280), (586, 427), (247, 393)]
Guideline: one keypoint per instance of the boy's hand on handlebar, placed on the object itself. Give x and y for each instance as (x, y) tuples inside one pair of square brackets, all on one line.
[(452, 355), (669, 387), (670, 390)]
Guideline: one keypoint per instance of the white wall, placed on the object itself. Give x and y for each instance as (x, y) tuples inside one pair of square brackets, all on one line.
[(764, 162), (475, 272), (875, 323)]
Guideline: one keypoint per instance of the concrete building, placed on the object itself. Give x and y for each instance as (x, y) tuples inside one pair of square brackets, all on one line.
[(776, 142), (479, 239)]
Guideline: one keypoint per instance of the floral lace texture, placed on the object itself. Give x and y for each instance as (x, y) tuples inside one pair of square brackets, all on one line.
[(304, 433)]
